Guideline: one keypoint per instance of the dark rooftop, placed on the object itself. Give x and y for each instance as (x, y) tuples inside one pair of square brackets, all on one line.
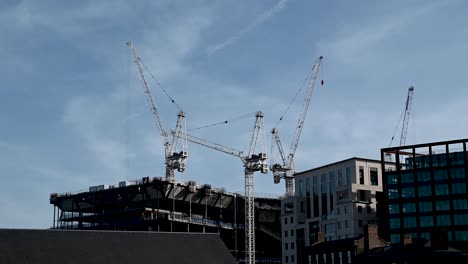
[(53, 246)]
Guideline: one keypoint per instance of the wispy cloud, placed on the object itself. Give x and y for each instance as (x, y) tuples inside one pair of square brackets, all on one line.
[(259, 20), (355, 42)]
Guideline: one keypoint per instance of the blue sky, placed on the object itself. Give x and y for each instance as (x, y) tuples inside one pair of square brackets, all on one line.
[(73, 113)]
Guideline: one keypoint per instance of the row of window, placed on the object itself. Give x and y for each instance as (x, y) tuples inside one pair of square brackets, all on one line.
[(425, 176), (325, 182), (286, 245), (373, 172), (459, 236), (441, 205), (427, 221), (424, 191), (286, 220), (286, 259), (291, 232), (438, 160)]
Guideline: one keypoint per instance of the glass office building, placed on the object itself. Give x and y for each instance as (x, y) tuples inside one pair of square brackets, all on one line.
[(427, 191)]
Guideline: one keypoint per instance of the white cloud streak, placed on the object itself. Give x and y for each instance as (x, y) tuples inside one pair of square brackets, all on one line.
[(258, 21)]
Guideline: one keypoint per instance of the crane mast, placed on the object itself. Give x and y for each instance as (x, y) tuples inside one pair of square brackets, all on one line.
[(286, 170), (175, 160), (409, 102), (252, 162)]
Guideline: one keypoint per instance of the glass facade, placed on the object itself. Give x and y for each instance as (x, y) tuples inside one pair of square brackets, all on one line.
[(429, 191)]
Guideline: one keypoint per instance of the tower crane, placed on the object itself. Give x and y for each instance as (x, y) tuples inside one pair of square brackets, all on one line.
[(286, 169), (406, 115), (174, 150), (252, 162), (408, 104)]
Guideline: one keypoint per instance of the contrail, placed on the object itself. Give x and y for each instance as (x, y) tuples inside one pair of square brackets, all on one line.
[(259, 20)]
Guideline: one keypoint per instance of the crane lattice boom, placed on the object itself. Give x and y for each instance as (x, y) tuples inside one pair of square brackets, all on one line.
[(286, 170), (408, 104)]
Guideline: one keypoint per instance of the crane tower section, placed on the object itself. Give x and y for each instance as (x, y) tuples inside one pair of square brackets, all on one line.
[(175, 150), (252, 162)]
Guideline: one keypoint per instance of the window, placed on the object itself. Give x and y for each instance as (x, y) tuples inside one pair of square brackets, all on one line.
[(392, 179), (441, 189), (394, 223), (460, 219), (348, 175), (345, 209), (364, 195), (285, 220), (440, 175), (426, 235), (457, 173), (302, 206), (443, 220), (292, 232), (427, 221), (374, 176), (395, 238), (286, 246), (424, 191), (407, 192), (425, 206), (424, 176), (323, 181), (286, 233), (407, 177), (394, 208), (409, 222), (286, 259), (359, 209), (338, 211), (360, 223), (346, 223), (292, 245), (442, 205), (307, 186), (409, 207), (361, 175), (301, 188), (339, 225), (461, 235), (324, 194), (292, 258), (393, 194), (460, 204), (340, 177), (292, 220), (458, 188), (368, 208)]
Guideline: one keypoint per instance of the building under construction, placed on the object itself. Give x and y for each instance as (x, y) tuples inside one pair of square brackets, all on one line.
[(156, 204)]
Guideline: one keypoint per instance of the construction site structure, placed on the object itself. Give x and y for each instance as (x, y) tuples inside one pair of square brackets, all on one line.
[(286, 169), (158, 205), (252, 162), (175, 150)]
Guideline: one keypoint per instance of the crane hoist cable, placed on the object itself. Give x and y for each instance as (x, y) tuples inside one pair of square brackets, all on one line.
[(301, 86), (292, 101), (160, 86), (224, 122)]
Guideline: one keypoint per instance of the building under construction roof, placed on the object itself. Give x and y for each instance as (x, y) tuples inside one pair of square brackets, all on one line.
[(155, 204)]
